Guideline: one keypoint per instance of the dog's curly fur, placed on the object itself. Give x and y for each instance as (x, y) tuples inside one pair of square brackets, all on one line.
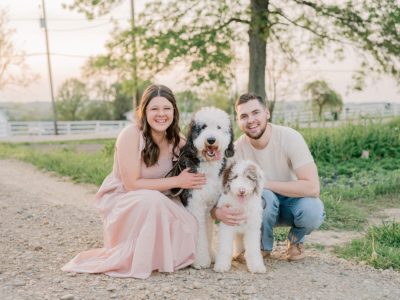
[(209, 144), (242, 184)]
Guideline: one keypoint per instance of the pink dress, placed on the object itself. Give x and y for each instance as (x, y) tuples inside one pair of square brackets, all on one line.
[(144, 230)]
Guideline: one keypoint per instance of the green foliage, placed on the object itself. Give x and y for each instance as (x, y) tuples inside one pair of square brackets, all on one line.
[(64, 159), (201, 38), (122, 101), (70, 99), (97, 110), (188, 101), (92, 8), (321, 95), (219, 97), (204, 34), (334, 145), (379, 248), (395, 124)]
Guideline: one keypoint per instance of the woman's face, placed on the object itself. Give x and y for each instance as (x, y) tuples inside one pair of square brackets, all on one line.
[(159, 114)]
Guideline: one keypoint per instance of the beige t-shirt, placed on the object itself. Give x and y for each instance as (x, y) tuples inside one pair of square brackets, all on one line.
[(285, 152)]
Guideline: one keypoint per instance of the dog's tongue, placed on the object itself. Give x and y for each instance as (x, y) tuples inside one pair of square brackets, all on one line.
[(241, 199), (218, 154)]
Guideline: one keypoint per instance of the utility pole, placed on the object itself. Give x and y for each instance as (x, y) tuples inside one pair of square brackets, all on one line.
[(43, 24), (135, 92)]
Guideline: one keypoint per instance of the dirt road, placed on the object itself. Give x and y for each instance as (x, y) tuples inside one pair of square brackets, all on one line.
[(45, 220)]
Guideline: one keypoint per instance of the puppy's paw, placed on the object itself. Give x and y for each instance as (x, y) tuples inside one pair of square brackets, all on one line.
[(202, 263), (222, 266), (257, 268), (196, 266)]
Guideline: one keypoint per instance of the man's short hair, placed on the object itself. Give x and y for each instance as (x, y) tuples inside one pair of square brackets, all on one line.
[(244, 98)]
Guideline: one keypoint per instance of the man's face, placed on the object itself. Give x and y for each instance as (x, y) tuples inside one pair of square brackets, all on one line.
[(252, 118)]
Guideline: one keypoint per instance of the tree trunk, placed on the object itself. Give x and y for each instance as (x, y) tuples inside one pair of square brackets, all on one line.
[(258, 47), (320, 107)]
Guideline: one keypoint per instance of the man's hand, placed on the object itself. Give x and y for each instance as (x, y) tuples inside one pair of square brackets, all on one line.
[(230, 216)]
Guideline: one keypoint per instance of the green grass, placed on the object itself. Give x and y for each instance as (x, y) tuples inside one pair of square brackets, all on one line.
[(64, 158), (280, 233), (341, 214), (380, 247)]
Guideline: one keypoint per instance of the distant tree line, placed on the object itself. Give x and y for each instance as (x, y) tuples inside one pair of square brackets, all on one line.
[(101, 101), (77, 100)]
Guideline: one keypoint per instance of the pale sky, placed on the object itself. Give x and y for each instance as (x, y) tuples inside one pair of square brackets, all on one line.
[(73, 39)]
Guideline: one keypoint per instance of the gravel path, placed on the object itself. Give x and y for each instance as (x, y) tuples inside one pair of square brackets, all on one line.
[(45, 220)]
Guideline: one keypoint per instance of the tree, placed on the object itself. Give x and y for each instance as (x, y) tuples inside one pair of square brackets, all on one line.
[(96, 110), (13, 68), (321, 96), (70, 99), (188, 101), (204, 33)]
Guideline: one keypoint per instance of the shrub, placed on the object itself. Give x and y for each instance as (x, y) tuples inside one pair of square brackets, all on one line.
[(335, 145)]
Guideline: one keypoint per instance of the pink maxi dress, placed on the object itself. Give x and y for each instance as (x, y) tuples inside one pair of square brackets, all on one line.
[(144, 230)]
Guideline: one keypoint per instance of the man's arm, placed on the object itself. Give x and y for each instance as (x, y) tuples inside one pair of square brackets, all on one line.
[(306, 185), (228, 215)]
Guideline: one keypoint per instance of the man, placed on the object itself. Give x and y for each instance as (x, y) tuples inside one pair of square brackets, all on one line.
[(291, 190)]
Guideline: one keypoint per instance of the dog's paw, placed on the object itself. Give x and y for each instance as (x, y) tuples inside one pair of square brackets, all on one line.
[(221, 267), (202, 263), (257, 268), (196, 266)]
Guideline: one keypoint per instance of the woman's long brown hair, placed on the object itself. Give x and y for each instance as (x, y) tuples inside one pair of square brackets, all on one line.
[(151, 151)]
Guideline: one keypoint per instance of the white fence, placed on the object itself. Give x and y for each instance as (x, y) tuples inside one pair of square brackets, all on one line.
[(302, 117), (64, 127), (349, 113)]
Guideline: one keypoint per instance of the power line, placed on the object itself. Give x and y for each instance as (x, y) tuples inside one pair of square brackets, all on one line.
[(80, 28), (66, 19), (58, 54)]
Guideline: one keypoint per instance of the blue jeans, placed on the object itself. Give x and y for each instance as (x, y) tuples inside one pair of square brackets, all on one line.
[(303, 215)]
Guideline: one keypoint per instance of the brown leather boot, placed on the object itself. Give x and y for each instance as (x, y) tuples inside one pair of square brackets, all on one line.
[(295, 252), (266, 253)]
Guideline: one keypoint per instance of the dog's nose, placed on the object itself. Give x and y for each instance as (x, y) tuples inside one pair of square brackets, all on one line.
[(242, 191), (211, 140)]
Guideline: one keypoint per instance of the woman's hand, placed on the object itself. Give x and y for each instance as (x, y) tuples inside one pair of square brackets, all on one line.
[(187, 180), (230, 216)]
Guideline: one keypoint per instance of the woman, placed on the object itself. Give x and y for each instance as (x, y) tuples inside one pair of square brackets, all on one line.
[(144, 229)]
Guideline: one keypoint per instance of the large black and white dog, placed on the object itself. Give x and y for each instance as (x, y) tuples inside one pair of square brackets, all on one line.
[(209, 144)]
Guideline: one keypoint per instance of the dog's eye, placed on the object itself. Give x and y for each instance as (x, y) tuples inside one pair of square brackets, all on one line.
[(204, 126), (218, 127), (234, 177), (250, 177)]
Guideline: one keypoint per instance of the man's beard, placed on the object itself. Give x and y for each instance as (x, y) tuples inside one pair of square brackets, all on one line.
[(258, 135)]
